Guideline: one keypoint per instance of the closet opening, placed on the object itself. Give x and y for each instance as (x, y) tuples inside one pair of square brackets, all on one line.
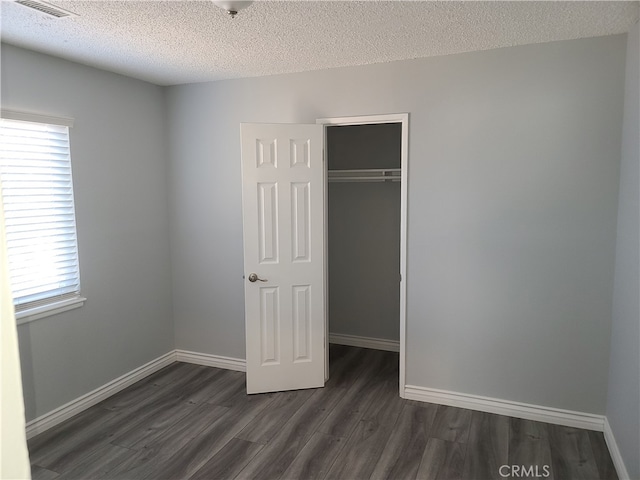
[(365, 229)]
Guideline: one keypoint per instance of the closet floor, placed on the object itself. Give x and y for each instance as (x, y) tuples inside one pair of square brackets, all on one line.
[(193, 422)]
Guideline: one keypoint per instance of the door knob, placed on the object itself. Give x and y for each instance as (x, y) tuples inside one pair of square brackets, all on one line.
[(253, 277)]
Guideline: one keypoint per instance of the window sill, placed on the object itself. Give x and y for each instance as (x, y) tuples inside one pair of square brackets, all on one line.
[(54, 308)]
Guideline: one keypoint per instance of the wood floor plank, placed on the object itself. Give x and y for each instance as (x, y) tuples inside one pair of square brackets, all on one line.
[(219, 382), (136, 467), (122, 428), (452, 424), (73, 440), (189, 426), (315, 459), (358, 457), (150, 388), (601, 454), (144, 425), (488, 446), (386, 366), (148, 455), (403, 452), (229, 461), (39, 473), (351, 369), (192, 379), (387, 407), (98, 464), (529, 446), (284, 406), (176, 372), (364, 391), (144, 394), (231, 387), (571, 454), (241, 397), (153, 426), (135, 396), (339, 364), (41, 444), (198, 388), (442, 460), (198, 451), (280, 452), (349, 411), (336, 352), (169, 440)]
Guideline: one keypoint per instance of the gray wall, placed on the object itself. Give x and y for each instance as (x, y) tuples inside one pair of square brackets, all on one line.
[(364, 233), (119, 161), (364, 259), (623, 401), (513, 186)]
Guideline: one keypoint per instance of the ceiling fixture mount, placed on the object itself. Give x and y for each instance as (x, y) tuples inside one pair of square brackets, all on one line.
[(232, 7), (47, 8)]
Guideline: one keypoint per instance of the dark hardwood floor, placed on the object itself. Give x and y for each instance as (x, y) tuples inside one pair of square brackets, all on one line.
[(194, 422)]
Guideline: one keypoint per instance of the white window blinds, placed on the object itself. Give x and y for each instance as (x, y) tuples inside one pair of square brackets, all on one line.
[(37, 193)]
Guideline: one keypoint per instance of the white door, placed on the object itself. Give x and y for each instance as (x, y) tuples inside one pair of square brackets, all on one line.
[(283, 220)]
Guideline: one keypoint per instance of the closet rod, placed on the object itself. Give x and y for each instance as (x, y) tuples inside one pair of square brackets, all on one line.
[(363, 179), (366, 170), (365, 175)]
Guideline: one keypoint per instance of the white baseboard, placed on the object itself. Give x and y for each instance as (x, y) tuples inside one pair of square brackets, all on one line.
[(68, 410), (621, 468), (365, 342), (505, 407), (209, 360)]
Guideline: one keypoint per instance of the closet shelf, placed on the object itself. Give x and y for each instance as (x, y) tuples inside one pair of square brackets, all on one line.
[(365, 175)]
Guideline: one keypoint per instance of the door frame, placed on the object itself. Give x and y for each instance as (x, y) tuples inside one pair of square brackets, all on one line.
[(402, 118)]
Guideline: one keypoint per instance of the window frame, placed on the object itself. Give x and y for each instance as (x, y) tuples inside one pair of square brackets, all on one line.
[(58, 303)]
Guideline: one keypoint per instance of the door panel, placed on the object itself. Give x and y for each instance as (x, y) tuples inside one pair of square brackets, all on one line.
[(268, 222), (301, 221), (283, 220)]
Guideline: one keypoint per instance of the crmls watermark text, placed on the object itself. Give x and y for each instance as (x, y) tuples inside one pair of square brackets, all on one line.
[(524, 471)]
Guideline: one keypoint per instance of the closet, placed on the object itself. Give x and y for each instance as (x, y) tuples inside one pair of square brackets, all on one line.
[(364, 194)]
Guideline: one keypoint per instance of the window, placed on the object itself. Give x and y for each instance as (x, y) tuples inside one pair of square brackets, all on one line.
[(37, 197)]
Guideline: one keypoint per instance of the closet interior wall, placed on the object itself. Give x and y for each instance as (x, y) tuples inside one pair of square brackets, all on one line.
[(364, 231)]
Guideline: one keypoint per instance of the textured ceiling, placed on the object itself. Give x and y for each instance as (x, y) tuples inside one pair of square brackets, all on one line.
[(173, 42)]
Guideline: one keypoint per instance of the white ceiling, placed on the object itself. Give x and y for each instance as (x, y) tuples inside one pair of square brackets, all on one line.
[(174, 42)]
